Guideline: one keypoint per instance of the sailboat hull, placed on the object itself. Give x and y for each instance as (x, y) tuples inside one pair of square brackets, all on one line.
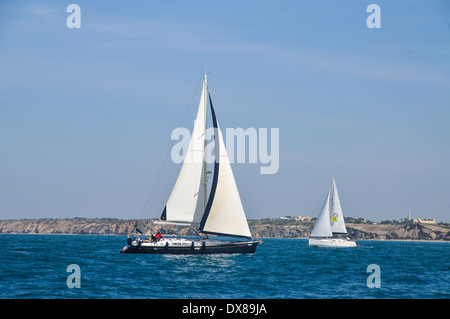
[(331, 242), (190, 247)]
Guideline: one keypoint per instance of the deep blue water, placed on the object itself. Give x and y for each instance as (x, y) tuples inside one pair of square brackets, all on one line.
[(35, 266)]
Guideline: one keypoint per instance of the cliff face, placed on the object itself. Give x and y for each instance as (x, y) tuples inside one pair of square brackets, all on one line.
[(403, 231), (259, 228), (361, 231), (86, 226), (67, 226), (281, 231)]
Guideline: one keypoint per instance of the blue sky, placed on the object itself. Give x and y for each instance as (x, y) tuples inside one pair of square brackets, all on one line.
[(86, 114)]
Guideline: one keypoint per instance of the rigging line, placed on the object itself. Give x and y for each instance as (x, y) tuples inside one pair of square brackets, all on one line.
[(147, 202), (192, 98)]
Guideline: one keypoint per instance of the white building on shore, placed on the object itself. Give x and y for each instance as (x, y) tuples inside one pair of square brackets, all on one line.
[(297, 218), (420, 220)]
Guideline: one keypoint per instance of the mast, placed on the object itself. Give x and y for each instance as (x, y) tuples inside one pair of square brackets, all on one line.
[(204, 173)]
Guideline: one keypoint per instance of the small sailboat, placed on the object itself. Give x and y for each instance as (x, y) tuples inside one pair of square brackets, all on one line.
[(330, 223), (219, 214)]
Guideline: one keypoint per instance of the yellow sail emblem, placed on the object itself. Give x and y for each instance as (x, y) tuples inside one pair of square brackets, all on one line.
[(334, 217)]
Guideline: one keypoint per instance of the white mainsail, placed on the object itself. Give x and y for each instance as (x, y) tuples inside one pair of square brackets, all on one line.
[(224, 214), (322, 227), (187, 200), (337, 218)]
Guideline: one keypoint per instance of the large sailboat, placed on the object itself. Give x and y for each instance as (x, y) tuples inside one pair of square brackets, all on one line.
[(330, 223), (220, 214)]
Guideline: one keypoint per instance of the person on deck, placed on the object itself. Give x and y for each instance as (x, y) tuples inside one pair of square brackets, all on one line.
[(158, 236)]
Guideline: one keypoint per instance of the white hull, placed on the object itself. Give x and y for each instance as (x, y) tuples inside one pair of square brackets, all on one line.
[(331, 242)]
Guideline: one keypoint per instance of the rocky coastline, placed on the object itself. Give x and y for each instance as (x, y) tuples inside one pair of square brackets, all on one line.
[(260, 228)]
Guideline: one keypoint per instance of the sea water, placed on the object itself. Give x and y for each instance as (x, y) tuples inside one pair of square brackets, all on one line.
[(42, 266)]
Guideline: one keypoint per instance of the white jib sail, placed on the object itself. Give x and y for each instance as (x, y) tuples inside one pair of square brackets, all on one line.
[(322, 227), (337, 218), (187, 200), (226, 215)]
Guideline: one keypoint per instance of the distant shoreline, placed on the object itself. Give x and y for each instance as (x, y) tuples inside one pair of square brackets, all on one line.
[(262, 238), (411, 240), (260, 228)]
